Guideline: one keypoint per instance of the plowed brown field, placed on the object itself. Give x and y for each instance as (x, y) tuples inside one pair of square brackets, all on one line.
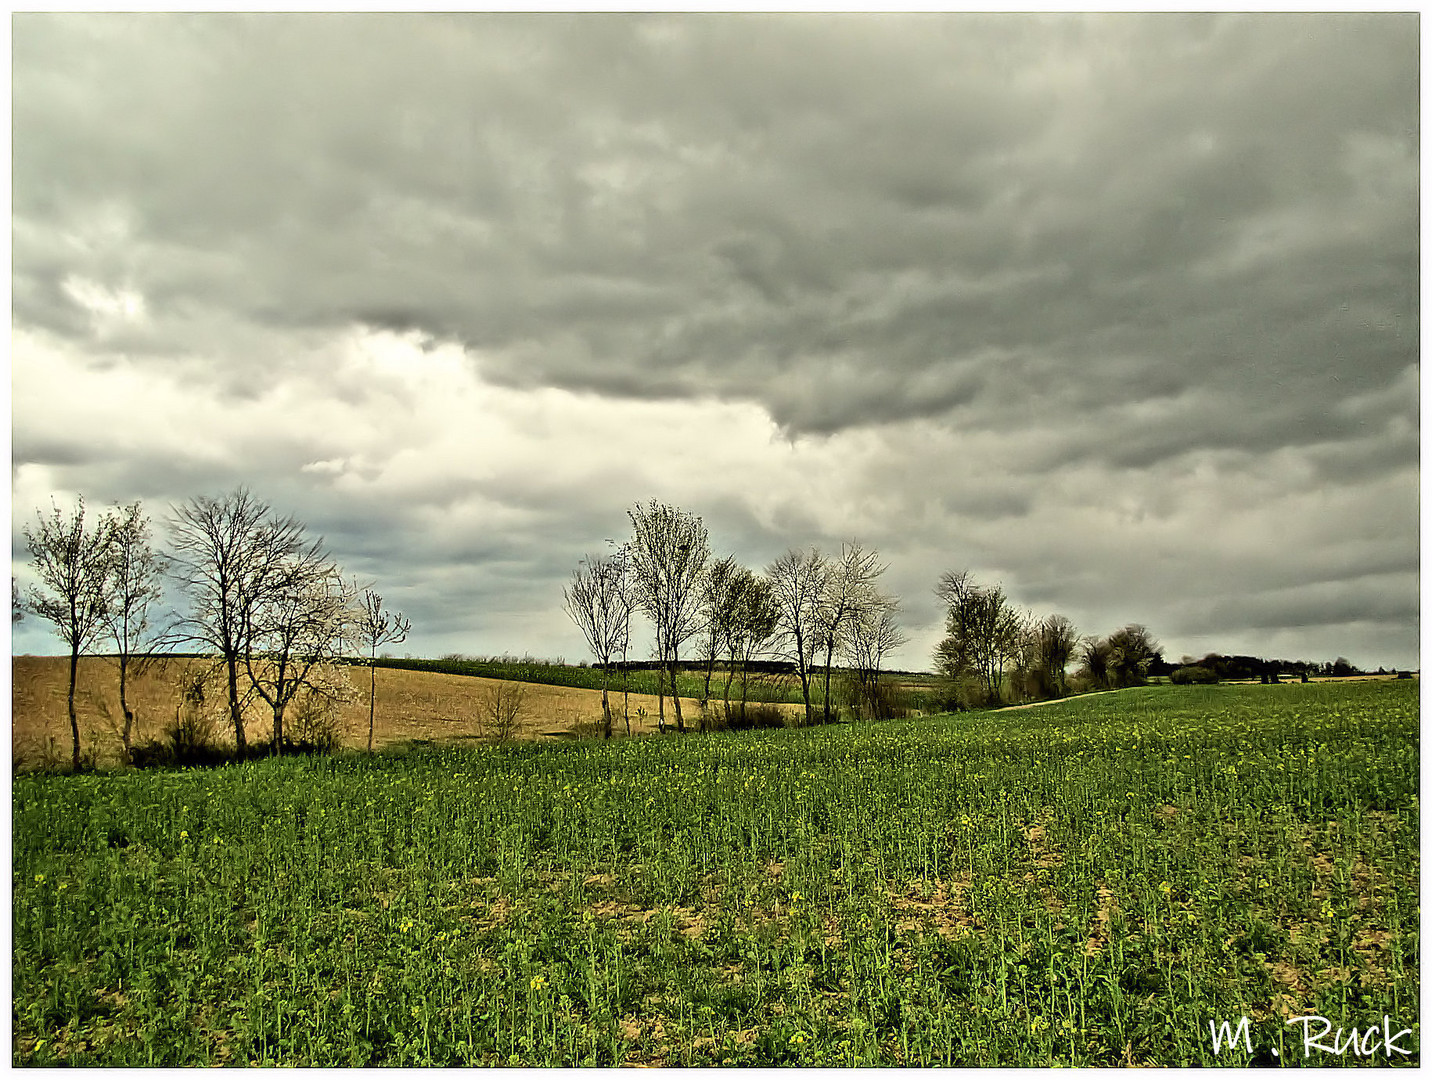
[(411, 705)]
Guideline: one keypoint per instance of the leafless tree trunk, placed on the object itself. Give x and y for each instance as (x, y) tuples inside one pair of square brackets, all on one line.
[(598, 601), (377, 628), (798, 583), (74, 565), (300, 619), (134, 586), (226, 552), (668, 552)]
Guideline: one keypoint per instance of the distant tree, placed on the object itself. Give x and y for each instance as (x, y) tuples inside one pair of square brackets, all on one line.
[(667, 557), (134, 585), (1094, 655), (1024, 676), (754, 616), (872, 633), (73, 564), (376, 628), (1131, 652), (849, 595), (226, 553), (1057, 640), (298, 619), (599, 603), (798, 584), (17, 603), (718, 599), (982, 635)]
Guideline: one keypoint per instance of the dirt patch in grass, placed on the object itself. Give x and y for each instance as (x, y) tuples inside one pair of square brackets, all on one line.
[(1108, 905), (945, 909), (1045, 855)]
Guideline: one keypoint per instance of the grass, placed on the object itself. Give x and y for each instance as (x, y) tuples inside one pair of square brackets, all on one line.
[(1085, 883)]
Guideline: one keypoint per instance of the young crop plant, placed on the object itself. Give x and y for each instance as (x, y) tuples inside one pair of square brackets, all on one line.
[(1099, 883)]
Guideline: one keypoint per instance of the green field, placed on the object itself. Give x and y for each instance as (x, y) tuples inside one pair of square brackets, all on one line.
[(1085, 883), (690, 679)]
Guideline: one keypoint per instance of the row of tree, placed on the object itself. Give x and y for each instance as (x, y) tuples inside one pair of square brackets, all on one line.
[(260, 597), (993, 652), (804, 605), (809, 608), (1215, 667)]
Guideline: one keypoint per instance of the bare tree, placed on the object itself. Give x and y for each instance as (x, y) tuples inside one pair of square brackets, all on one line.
[(298, 618), (849, 592), (752, 624), (668, 554), (501, 710), (73, 564), (134, 585), (599, 603), (798, 584), (1058, 640), (1094, 655), (377, 628), (981, 636), (872, 633), (225, 553), (628, 605), (718, 598)]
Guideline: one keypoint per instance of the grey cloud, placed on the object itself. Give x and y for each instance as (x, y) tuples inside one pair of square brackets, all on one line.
[(574, 211), (1377, 598), (1108, 244)]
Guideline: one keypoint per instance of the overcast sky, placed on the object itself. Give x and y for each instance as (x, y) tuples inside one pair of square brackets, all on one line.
[(1121, 312)]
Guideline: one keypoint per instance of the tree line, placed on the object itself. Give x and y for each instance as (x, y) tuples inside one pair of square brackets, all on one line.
[(273, 611), (810, 608), (995, 653), (805, 606), (1215, 667), (262, 599)]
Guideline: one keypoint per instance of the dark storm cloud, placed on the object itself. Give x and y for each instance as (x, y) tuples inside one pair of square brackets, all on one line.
[(851, 219), (1068, 274)]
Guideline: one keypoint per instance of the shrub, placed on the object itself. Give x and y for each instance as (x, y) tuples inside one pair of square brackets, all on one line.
[(757, 714), (500, 711), (1192, 674), (312, 723), (882, 700), (957, 694), (195, 726)]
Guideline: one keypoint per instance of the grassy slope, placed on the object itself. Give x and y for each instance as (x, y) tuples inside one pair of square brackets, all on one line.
[(690, 678), (1090, 883)]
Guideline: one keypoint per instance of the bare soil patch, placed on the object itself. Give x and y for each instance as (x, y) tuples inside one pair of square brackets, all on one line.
[(410, 706)]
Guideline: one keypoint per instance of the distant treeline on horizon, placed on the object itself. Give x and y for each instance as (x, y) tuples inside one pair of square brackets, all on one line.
[(1222, 668)]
